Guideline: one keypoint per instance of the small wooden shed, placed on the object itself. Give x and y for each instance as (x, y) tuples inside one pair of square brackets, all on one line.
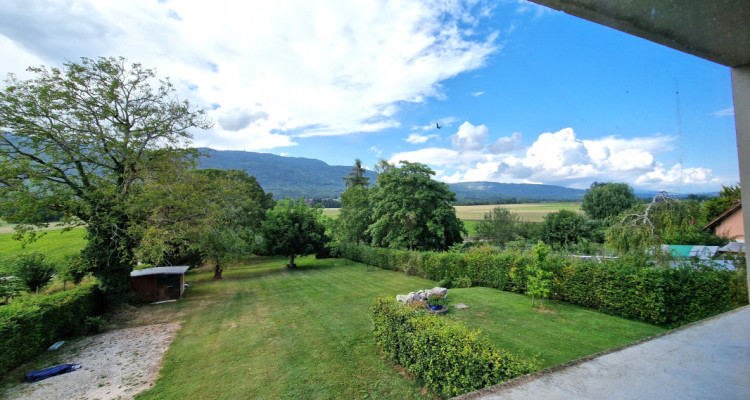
[(158, 284)]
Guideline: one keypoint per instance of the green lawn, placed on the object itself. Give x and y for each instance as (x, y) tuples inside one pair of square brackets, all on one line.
[(56, 244), (558, 333), (471, 226), (265, 331)]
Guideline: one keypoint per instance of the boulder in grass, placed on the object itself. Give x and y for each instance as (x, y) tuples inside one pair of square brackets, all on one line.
[(422, 295)]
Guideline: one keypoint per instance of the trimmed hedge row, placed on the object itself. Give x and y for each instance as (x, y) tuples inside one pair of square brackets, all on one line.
[(630, 288), (448, 357), (31, 324)]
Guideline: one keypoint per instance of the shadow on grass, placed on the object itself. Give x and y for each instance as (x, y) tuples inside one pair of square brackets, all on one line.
[(268, 266)]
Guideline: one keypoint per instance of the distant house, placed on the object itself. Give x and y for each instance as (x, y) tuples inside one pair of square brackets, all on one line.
[(728, 224), (158, 284)]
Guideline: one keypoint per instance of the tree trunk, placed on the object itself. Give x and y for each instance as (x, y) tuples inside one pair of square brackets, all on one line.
[(291, 262), (218, 270)]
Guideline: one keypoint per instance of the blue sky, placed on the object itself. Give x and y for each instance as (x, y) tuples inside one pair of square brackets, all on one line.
[(524, 94)]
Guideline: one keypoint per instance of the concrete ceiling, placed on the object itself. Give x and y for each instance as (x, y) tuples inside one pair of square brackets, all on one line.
[(717, 30)]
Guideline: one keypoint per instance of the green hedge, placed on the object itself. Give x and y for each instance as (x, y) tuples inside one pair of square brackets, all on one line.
[(448, 357), (30, 325), (627, 287)]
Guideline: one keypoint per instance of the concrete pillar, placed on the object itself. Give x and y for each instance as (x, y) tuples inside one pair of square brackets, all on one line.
[(741, 93)]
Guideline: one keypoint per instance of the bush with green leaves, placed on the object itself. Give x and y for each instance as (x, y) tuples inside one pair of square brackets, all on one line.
[(448, 357), (73, 269), (462, 282), (32, 323), (33, 270)]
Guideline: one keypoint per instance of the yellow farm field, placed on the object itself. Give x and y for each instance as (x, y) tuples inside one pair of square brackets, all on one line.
[(531, 212)]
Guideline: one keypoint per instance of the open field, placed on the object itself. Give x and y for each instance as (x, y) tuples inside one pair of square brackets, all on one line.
[(265, 331), (56, 244), (531, 212)]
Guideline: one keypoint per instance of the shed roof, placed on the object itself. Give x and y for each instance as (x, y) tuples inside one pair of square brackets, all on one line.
[(159, 271)]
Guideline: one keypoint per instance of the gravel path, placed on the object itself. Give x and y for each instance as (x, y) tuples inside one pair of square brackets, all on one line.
[(114, 365)]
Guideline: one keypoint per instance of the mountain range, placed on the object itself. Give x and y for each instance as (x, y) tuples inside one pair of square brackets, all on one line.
[(310, 178)]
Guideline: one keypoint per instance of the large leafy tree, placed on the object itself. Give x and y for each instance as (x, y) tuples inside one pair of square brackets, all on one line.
[(356, 215), (563, 228), (292, 228), (604, 200), (413, 211), (201, 215), (499, 225), (79, 139)]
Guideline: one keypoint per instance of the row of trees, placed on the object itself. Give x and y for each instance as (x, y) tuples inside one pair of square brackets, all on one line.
[(614, 216)]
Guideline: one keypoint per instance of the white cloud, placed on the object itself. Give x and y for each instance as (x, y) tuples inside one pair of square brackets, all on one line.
[(469, 137), (477, 94), (238, 119), (375, 150), (318, 68), (676, 176), (727, 112), (506, 144), (415, 138), (559, 158)]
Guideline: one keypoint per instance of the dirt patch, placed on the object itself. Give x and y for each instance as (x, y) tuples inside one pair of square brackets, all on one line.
[(114, 365), (545, 310)]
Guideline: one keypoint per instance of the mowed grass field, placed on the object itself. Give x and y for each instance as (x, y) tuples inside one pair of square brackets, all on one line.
[(56, 244), (265, 331)]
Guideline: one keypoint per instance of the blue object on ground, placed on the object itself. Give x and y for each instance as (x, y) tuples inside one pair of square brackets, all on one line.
[(34, 376)]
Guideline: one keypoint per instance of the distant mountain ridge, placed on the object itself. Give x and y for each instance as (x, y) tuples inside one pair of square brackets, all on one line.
[(284, 176), (491, 191), (311, 178)]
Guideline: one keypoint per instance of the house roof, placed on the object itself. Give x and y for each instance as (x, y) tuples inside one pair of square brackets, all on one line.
[(159, 271), (722, 217)]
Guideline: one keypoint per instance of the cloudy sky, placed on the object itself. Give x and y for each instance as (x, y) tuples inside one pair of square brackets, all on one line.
[(523, 93)]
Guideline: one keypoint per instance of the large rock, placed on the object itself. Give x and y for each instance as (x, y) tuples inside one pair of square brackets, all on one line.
[(422, 295)]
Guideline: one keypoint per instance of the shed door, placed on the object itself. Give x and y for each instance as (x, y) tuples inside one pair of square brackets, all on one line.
[(167, 287)]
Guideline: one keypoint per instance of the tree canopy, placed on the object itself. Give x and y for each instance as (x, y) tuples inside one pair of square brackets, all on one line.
[(563, 228), (413, 211), (202, 215), (605, 200), (356, 213), (357, 176), (499, 225), (728, 197), (292, 229), (79, 139)]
